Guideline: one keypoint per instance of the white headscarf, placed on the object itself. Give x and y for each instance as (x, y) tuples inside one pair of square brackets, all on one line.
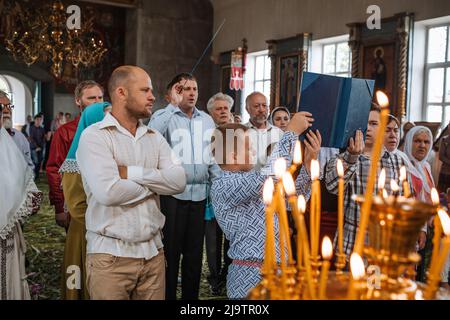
[(16, 184), (419, 168)]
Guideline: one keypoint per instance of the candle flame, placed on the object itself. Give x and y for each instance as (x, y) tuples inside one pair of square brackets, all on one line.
[(268, 191), (357, 266), (394, 186), (402, 173), (301, 204), (435, 196), (382, 98), (327, 248), (385, 194), (340, 168), (315, 169), (382, 179), (297, 153), (288, 184), (445, 221), (279, 167)]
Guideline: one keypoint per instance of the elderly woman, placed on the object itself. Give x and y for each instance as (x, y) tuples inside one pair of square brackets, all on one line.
[(280, 117), (418, 144), (219, 107)]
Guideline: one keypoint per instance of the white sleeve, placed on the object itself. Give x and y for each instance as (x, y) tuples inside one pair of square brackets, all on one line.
[(101, 172)]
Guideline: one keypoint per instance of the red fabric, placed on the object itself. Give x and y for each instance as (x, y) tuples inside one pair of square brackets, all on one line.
[(59, 148)]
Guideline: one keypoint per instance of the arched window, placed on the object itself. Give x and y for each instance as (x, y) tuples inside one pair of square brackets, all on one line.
[(4, 86)]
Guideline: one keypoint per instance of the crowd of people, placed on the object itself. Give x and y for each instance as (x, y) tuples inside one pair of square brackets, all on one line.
[(139, 202)]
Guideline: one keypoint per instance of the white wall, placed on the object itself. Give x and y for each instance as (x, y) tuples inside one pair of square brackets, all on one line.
[(261, 20)]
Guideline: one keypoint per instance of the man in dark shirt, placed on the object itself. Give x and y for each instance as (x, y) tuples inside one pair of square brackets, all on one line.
[(37, 143)]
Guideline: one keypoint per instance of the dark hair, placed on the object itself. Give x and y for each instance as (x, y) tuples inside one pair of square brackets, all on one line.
[(375, 107), (39, 115), (178, 78), (68, 114)]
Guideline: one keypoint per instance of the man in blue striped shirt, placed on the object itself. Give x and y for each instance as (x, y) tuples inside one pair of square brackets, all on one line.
[(188, 131)]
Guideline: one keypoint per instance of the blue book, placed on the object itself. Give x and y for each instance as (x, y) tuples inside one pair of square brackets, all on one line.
[(339, 106)]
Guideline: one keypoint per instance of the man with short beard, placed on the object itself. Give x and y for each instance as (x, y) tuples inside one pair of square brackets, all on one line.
[(18, 137), (125, 167), (264, 134), (86, 93)]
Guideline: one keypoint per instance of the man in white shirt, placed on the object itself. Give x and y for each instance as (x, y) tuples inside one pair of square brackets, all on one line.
[(125, 166), (264, 135)]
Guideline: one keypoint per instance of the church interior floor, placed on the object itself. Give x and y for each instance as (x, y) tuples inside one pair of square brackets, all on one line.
[(45, 246)]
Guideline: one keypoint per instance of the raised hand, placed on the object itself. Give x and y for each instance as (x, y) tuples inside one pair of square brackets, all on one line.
[(300, 122), (176, 94), (356, 145)]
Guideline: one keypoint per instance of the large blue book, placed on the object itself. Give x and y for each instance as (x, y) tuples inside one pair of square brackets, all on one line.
[(339, 106)]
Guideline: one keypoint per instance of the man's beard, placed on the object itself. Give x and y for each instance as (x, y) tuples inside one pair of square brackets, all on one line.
[(7, 123), (260, 119), (136, 114)]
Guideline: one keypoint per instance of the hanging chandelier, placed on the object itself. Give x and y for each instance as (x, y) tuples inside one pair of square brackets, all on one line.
[(42, 35)]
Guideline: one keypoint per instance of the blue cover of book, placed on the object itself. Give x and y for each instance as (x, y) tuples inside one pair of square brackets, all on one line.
[(339, 106)]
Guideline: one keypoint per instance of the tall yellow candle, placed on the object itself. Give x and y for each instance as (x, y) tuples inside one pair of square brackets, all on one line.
[(383, 101), (314, 213), (289, 187), (303, 233), (327, 253), (382, 181), (280, 169), (445, 247), (404, 181), (269, 259), (435, 270), (340, 170), (437, 232)]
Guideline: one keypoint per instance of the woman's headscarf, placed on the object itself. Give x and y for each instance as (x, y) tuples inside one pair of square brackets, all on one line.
[(92, 114), (276, 109), (16, 185), (416, 167)]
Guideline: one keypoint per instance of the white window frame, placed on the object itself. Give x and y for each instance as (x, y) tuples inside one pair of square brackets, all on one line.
[(341, 74), (437, 65), (250, 80)]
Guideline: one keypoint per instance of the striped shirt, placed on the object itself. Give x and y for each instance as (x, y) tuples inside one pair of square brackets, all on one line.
[(356, 170)]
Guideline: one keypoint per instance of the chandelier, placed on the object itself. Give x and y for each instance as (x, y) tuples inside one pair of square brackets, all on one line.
[(42, 34)]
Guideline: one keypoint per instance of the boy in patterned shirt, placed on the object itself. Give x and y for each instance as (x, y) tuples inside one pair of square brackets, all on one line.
[(236, 195)]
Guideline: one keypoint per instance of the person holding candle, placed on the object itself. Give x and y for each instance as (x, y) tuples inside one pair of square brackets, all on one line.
[(237, 196), (356, 161)]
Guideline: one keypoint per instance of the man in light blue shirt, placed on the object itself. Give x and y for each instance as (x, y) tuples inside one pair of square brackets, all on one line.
[(188, 131)]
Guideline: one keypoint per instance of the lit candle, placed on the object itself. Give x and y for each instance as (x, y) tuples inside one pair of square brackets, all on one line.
[(383, 101), (445, 248), (303, 233), (404, 181), (289, 187), (297, 158), (269, 260), (434, 276), (395, 188), (340, 170), (315, 209), (437, 232), (382, 181), (280, 169), (358, 272), (327, 253)]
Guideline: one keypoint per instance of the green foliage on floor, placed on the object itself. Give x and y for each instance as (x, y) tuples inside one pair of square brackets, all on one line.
[(45, 247)]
